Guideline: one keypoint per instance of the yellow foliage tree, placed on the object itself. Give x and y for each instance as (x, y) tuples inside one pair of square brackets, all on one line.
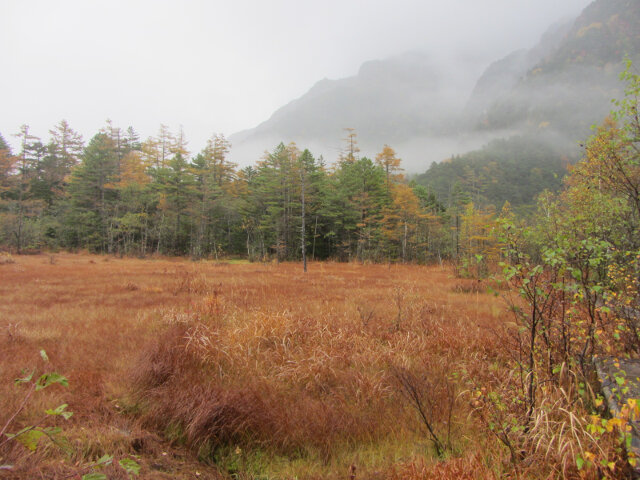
[(401, 219), (478, 247), (7, 166), (391, 164)]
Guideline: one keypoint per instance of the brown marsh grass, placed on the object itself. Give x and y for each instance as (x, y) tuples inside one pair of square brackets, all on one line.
[(251, 370)]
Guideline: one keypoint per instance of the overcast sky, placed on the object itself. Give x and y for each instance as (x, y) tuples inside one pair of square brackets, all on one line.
[(223, 66)]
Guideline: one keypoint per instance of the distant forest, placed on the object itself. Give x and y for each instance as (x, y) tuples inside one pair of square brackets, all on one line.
[(120, 195), (513, 170)]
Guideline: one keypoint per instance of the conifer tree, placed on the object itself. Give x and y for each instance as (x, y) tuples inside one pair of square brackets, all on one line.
[(93, 195), (68, 145), (391, 165)]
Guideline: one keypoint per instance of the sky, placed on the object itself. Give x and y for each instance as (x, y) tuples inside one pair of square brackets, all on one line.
[(223, 66)]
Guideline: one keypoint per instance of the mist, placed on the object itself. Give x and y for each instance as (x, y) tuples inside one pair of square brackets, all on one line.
[(224, 67)]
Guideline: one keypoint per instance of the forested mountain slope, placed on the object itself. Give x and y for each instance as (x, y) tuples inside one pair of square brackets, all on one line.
[(548, 97), (570, 87), (559, 87), (510, 170)]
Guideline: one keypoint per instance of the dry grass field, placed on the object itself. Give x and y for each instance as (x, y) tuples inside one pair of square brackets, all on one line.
[(220, 370)]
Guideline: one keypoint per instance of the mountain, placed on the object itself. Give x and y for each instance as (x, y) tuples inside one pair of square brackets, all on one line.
[(389, 101), (505, 74), (549, 97), (428, 111), (566, 83), (382, 97)]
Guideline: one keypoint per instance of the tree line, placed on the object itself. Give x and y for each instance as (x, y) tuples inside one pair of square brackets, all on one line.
[(120, 195)]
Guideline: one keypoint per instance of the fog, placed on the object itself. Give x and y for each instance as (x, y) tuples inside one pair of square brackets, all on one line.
[(417, 153), (213, 66)]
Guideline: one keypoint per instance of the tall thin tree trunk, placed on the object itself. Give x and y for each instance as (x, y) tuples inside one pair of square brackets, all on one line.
[(304, 240), (404, 244), (160, 233), (315, 232), (20, 221), (202, 229)]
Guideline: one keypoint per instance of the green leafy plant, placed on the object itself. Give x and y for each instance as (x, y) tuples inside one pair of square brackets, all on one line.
[(30, 435), (127, 464)]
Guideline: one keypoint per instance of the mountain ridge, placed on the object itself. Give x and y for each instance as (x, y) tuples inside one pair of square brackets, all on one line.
[(560, 87), (571, 87)]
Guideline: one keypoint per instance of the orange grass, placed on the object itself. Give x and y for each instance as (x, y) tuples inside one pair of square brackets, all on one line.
[(251, 367)]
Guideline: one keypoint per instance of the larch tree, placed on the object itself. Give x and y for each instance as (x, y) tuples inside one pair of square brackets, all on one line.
[(151, 152), (213, 175), (137, 201), (350, 150), (401, 218), (390, 163), (7, 165), (165, 141), (477, 248)]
